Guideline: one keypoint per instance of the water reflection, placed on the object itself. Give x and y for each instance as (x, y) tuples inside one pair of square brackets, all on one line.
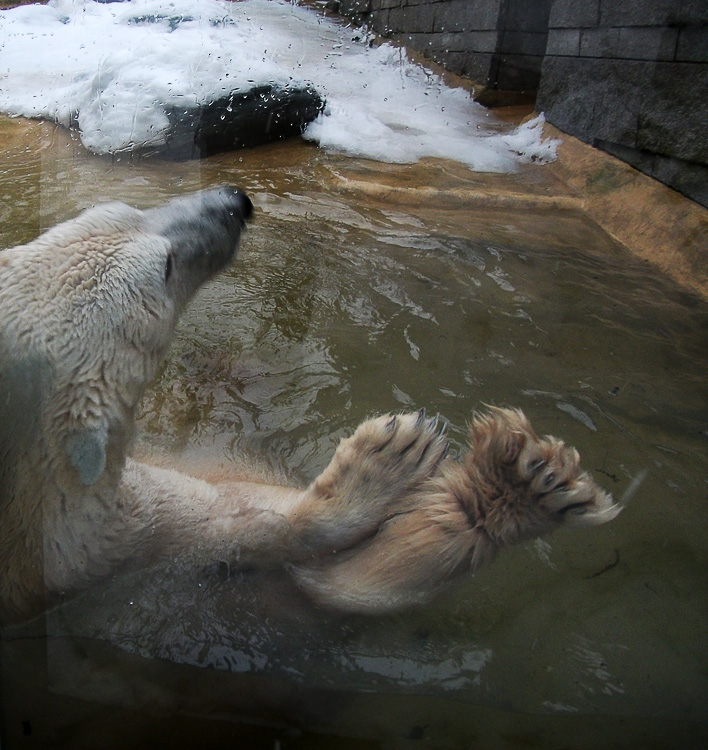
[(343, 304)]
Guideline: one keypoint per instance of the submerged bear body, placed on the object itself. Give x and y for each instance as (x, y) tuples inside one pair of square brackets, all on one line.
[(87, 313)]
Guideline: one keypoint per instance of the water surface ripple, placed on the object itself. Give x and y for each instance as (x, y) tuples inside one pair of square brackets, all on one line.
[(341, 305)]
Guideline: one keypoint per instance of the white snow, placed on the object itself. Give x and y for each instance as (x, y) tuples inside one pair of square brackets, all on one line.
[(115, 66)]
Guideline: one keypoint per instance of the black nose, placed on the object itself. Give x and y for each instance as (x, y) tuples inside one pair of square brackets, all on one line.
[(246, 205), (240, 201)]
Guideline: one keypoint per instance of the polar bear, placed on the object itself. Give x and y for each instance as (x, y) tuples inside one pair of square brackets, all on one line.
[(87, 312)]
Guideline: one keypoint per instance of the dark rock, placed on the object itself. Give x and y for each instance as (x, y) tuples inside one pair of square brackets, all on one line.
[(242, 119)]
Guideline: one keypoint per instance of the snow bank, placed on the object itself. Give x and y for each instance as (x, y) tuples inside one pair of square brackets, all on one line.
[(113, 69)]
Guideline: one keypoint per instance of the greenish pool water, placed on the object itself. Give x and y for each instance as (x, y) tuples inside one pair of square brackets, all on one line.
[(339, 306)]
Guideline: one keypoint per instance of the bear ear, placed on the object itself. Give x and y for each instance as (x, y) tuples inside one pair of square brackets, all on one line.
[(87, 454)]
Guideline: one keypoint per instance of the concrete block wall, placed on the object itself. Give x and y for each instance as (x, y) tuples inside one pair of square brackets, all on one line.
[(496, 43), (631, 77), (521, 46)]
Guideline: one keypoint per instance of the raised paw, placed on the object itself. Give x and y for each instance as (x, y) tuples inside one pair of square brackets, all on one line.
[(370, 474), (511, 486)]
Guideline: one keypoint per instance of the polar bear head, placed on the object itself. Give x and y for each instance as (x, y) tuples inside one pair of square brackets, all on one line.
[(87, 311)]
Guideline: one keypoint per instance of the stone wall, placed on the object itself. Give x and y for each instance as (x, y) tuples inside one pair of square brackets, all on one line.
[(496, 43), (628, 76), (521, 45), (631, 77)]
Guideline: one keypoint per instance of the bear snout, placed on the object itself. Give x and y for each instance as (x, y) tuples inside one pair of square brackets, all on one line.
[(203, 229), (224, 204), (243, 204), (231, 200)]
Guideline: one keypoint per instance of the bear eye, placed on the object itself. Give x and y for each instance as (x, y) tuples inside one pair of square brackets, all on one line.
[(168, 267)]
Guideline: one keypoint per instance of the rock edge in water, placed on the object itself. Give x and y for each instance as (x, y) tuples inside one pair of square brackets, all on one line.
[(242, 119)]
